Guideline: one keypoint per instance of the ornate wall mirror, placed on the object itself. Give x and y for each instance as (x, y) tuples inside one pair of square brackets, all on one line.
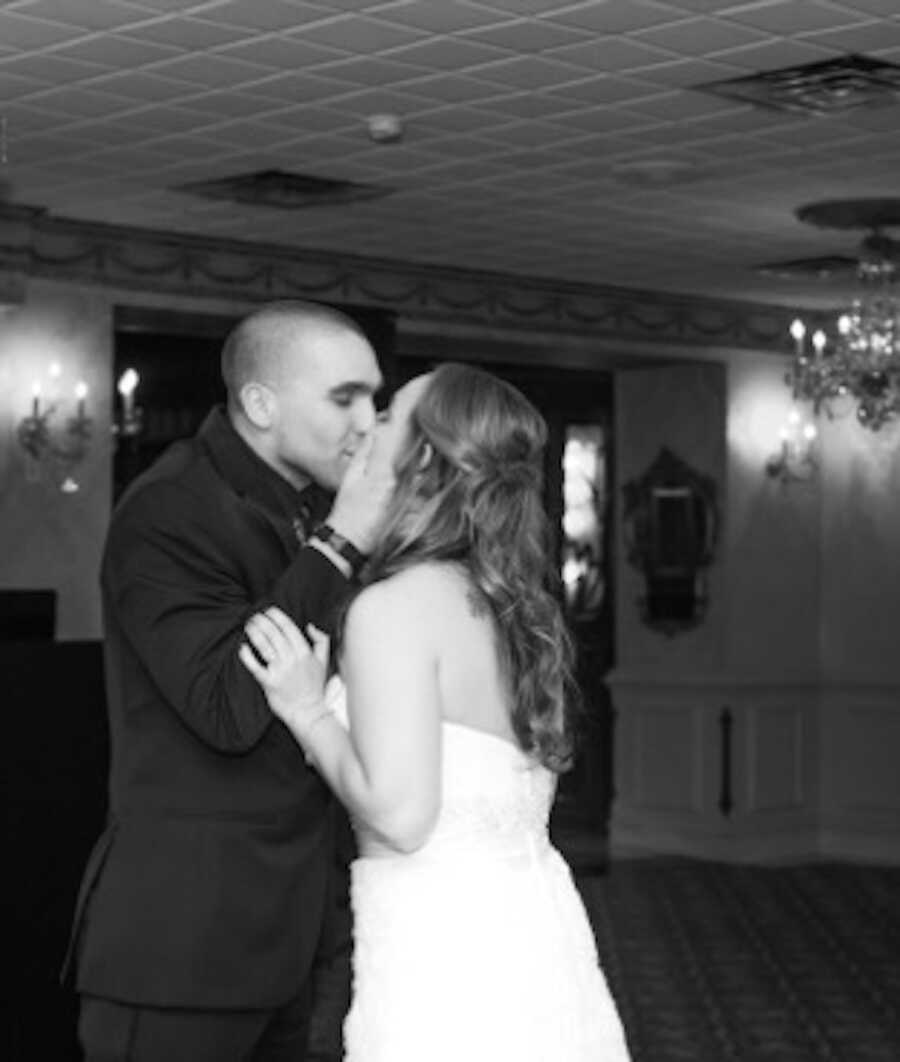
[(671, 527)]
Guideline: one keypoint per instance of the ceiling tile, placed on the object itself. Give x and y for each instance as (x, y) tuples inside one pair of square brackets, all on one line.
[(281, 51), (686, 73), (376, 100), (617, 16), (441, 121), (210, 70), (867, 38), (88, 14), (775, 54), (606, 89), (603, 120), (26, 33), (306, 119), (296, 86), (439, 18), (49, 69), (682, 106), (273, 15), (530, 105), (188, 34), (83, 102), (448, 53), (529, 72), (453, 88), (13, 85), (369, 70), (360, 34), (885, 8), (790, 17), (180, 6), (605, 55), (700, 36), (529, 35), (116, 49)]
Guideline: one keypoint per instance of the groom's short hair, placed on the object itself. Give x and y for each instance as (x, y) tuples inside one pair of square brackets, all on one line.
[(254, 347)]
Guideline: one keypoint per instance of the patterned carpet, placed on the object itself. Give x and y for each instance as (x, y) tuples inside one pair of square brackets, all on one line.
[(717, 963)]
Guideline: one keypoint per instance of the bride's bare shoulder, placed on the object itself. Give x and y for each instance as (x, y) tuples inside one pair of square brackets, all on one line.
[(412, 595)]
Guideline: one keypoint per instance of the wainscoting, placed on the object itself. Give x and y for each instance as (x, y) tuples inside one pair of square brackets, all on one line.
[(751, 771)]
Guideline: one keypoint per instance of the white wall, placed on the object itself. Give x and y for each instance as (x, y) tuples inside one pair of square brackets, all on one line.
[(802, 650), (48, 539), (51, 540)]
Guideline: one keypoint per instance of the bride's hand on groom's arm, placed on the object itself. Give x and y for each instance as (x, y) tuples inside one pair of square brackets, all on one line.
[(291, 672)]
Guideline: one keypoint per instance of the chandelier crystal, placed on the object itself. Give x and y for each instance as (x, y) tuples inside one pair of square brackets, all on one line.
[(862, 356)]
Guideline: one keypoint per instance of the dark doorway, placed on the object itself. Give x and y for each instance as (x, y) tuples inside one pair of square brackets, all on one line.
[(578, 407)]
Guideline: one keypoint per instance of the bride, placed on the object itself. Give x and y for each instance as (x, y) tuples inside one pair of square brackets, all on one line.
[(443, 737)]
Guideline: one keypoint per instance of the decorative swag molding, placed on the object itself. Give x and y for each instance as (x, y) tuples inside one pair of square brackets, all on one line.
[(35, 243)]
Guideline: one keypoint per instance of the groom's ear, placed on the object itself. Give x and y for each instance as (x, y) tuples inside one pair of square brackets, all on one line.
[(259, 405)]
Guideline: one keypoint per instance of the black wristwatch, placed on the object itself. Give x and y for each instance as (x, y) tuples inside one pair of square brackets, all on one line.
[(342, 546)]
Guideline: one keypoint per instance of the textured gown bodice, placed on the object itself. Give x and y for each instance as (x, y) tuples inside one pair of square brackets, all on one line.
[(476, 946)]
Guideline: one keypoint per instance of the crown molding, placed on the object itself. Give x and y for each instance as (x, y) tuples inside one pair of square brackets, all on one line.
[(35, 243)]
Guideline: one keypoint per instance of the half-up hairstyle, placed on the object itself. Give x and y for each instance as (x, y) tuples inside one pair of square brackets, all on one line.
[(469, 491)]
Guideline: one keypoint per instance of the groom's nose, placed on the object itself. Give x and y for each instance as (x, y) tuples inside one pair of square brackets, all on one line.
[(363, 415)]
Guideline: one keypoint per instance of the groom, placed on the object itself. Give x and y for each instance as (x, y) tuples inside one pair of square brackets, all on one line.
[(211, 895)]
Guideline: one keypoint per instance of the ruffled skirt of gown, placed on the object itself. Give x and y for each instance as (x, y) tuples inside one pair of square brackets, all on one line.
[(477, 947)]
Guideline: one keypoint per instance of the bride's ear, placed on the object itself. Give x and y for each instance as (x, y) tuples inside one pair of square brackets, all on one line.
[(427, 455)]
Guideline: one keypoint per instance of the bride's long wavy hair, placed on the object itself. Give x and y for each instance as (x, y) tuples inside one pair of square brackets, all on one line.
[(469, 491)]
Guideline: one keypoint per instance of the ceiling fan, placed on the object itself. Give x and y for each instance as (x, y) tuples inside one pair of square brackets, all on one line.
[(877, 252)]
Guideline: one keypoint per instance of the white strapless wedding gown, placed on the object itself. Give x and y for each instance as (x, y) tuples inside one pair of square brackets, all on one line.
[(476, 947)]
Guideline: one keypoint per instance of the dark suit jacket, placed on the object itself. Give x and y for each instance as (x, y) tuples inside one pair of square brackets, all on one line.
[(208, 887)]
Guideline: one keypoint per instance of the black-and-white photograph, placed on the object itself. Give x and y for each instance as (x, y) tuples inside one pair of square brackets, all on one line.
[(450, 529)]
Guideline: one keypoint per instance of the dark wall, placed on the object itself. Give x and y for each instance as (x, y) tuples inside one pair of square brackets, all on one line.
[(57, 755)]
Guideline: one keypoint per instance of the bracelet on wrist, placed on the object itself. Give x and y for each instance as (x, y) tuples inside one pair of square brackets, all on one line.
[(343, 547)]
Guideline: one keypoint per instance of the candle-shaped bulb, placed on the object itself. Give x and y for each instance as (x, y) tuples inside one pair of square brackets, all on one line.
[(128, 382), (809, 431), (81, 390), (798, 330), (55, 370), (819, 340), (844, 324)]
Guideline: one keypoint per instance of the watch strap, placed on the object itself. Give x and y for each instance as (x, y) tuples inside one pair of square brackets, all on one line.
[(342, 546)]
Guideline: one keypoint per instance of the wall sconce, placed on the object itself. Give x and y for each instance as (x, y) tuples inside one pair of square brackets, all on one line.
[(61, 448), (796, 460), (131, 421)]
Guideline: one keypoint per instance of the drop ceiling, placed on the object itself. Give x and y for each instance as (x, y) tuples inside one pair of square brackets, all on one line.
[(564, 141)]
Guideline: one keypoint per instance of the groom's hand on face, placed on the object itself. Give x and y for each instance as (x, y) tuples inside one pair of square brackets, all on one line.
[(365, 491)]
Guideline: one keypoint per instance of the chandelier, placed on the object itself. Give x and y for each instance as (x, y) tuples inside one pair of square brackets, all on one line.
[(859, 359)]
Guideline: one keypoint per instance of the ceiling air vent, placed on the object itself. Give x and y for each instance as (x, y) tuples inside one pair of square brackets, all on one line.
[(829, 87), (282, 190)]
